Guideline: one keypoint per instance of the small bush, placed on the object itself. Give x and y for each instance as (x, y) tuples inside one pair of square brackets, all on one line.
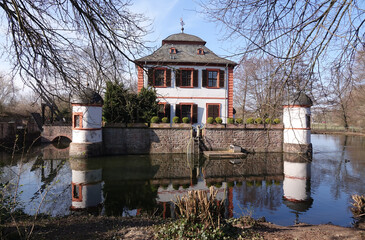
[(268, 121), (210, 120), (250, 121), (165, 120), (175, 119), (155, 119), (239, 120), (218, 120), (276, 121), (258, 120), (186, 120), (230, 121)]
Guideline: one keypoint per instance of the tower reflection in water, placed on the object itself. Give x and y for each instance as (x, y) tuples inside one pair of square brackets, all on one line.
[(296, 185), (86, 183)]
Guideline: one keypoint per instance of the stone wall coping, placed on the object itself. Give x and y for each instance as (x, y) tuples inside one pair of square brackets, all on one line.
[(245, 126)]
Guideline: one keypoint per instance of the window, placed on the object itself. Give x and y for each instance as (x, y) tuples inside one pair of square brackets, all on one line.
[(186, 111), (186, 78), (159, 77), (212, 78), (163, 110), (76, 192), (173, 50), (200, 51), (77, 120), (189, 110), (213, 110), (308, 120)]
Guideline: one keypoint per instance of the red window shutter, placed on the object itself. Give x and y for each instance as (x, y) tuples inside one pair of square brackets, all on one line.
[(195, 113), (177, 111), (195, 78), (221, 78), (150, 77), (168, 77), (167, 111), (205, 78), (178, 78)]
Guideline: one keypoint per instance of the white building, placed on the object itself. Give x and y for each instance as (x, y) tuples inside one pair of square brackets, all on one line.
[(190, 80)]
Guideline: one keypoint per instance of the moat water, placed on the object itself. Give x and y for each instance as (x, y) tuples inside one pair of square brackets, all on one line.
[(285, 189)]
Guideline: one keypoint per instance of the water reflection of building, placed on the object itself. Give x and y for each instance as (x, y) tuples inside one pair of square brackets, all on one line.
[(296, 185), (86, 183)]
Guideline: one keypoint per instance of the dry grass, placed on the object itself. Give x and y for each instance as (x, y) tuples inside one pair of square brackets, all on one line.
[(358, 208), (201, 207)]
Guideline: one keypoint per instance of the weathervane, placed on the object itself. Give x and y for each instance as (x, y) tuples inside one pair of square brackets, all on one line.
[(182, 25)]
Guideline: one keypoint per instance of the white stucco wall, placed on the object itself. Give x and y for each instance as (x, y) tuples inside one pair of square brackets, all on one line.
[(295, 117), (84, 136), (92, 115), (297, 136), (295, 181), (198, 95)]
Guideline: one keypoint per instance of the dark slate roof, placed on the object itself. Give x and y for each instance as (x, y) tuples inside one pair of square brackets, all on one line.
[(187, 47), (87, 96), (183, 37), (301, 99)]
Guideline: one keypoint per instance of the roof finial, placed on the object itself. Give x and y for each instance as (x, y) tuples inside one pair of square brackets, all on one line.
[(182, 25)]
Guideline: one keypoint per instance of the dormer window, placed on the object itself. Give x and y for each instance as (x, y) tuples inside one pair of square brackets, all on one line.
[(173, 50), (200, 51)]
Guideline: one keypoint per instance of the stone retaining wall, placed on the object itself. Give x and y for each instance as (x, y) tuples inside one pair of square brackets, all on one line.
[(145, 140), (250, 139)]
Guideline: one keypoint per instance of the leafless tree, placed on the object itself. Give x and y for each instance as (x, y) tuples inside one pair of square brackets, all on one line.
[(47, 40), (259, 88), (320, 32), (7, 91)]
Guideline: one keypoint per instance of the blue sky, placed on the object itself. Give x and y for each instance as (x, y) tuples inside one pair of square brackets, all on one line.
[(166, 14)]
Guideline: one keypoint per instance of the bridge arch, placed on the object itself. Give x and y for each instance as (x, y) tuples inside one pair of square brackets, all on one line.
[(52, 133)]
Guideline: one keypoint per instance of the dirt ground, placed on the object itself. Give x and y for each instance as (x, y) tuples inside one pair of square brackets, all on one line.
[(90, 227)]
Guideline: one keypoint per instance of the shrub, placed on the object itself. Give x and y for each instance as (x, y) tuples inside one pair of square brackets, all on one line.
[(165, 120), (239, 120), (175, 119), (185, 120), (250, 121), (155, 119), (218, 120), (230, 120), (268, 121), (210, 120), (258, 120), (276, 121)]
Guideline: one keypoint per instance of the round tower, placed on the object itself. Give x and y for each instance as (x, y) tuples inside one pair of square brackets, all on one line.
[(297, 129), (86, 183), (86, 124)]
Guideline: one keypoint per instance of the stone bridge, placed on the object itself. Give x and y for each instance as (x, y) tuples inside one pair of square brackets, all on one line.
[(51, 133)]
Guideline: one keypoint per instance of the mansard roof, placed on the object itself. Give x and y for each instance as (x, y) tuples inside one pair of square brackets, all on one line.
[(187, 47)]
